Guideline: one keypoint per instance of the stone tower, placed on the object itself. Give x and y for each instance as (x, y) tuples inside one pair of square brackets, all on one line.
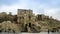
[(25, 16)]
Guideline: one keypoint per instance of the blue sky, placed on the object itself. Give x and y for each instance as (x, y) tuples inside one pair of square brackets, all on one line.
[(47, 7)]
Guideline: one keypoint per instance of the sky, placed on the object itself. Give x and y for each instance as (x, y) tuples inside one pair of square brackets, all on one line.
[(47, 7)]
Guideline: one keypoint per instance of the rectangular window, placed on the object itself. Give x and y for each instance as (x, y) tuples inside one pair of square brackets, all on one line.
[(39, 17), (25, 11)]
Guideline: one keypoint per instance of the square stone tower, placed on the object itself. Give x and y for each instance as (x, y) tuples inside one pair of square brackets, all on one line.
[(25, 16)]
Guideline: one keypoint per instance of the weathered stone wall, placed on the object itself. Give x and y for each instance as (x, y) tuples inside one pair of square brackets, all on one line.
[(25, 16)]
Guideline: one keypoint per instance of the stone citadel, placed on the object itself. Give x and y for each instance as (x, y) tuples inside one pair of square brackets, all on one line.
[(27, 21)]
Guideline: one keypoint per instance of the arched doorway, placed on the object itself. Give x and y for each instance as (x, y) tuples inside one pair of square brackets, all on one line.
[(0, 31), (29, 24), (26, 30)]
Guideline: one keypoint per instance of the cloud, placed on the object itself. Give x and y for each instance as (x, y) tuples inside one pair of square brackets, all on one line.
[(48, 7), (55, 13), (8, 2)]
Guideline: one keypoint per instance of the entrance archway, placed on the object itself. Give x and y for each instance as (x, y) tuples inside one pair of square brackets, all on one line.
[(26, 28), (29, 24), (0, 31)]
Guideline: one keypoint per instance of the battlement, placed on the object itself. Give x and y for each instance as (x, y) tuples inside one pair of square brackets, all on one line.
[(24, 11)]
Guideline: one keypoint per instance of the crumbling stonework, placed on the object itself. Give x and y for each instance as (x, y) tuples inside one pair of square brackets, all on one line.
[(26, 21), (8, 26)]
